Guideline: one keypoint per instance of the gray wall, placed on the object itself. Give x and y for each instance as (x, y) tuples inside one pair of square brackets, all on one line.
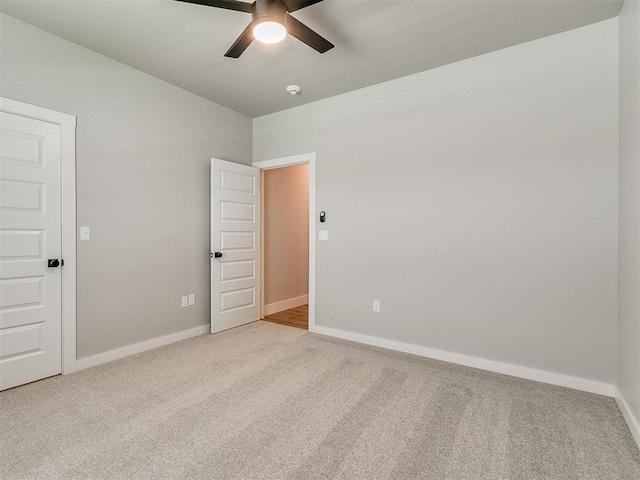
[(143, 150), (629, 205), (477, 202)]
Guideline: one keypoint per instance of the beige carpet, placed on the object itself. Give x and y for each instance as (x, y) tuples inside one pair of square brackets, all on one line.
[(266, 401)]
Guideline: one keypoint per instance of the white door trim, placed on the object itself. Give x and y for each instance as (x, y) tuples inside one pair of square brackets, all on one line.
[(68, 178), (309, 158)]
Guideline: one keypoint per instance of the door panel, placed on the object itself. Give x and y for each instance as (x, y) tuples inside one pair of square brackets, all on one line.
[(21, 244), (240, 270), (30, 233), (235, 229), (237, 241), (237, 299), (237, 212)]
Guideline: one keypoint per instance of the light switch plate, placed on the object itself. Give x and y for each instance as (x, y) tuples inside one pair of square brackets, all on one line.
[(192, 299), (185, 301), (85, 233), (323, 234)]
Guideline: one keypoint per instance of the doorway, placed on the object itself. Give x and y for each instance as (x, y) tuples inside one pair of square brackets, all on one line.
[(285, 245), (302, 159), (245, 237)]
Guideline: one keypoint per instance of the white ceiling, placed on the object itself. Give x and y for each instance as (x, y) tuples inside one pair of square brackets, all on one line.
[(375, 40)]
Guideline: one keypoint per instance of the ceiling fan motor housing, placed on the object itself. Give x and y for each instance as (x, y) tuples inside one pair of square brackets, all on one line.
[(270, 23), (268, 11)]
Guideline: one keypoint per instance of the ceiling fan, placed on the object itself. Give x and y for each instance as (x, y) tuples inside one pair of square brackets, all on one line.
[(270, 24)]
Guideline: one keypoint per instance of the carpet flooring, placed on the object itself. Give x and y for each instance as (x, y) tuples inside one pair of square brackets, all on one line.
[(265, 401)]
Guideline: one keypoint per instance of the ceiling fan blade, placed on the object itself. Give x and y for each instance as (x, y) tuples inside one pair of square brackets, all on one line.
[(228, 4), (306, 35), (293, 5), (241, 43)]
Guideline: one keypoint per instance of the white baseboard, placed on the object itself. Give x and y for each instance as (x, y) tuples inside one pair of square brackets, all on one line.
[(632, 421), (475, 362), (119, 353), (286, 304)]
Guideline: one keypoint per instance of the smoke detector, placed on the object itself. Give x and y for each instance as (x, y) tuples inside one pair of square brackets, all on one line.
[(293, 89)]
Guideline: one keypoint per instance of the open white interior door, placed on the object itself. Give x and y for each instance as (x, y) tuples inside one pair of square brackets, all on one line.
[(235, 245)]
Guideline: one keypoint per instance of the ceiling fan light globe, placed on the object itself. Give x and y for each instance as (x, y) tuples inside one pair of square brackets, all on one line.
[(269, 32)]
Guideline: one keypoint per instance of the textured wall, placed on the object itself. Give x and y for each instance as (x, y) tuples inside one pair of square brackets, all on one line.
[(143, 151), (476, 201), (629, 205)]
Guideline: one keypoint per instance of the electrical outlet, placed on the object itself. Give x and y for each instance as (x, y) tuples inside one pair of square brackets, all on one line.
[(376, 305), (185, 301), (323, 234), (192, 299)]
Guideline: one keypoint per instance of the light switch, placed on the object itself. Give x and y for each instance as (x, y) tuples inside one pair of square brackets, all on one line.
[(185, 301), (323, 234), (85, 233), (192, 299)]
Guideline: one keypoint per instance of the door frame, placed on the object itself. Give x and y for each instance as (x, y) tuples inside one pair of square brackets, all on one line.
[(67, 125), (310, 159)]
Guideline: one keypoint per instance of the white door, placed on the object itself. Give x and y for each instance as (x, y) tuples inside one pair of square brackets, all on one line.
[(30, 233), (235, 245)]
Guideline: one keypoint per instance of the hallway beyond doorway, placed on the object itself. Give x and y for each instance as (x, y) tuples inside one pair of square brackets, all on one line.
[(294, 317)]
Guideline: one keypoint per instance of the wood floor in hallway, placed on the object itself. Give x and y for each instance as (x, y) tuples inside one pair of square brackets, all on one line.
[(294, 317)]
